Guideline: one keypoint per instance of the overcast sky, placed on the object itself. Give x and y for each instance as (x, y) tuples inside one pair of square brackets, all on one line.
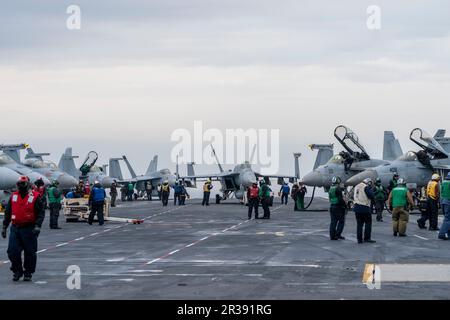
[(138, 70)]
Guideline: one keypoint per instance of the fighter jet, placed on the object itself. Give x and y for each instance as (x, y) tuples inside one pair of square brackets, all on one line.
[(416, 167), (350, 162), (7, 162), (235, 182), (8, 178), (88, 171), (152, 175), (50, 170)]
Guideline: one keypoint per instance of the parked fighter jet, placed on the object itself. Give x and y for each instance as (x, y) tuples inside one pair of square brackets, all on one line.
[(48, 169), (353, 160), (87, 171), (152, 175), (7, 162), (8, 178), (235, 182), (416, 167)]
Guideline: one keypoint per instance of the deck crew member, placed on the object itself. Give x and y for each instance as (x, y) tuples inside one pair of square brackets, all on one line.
[(445, 204), (362, 196), (54, 204), (379, 198), (207, 192), (253, 200), (25, 211), (264, 195), (284, 191), (113, 193), (433, 195), (399, 199), (338, 209), (165, 193), (96, 203)]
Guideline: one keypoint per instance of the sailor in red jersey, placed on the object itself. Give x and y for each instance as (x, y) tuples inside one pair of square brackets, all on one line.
[(25, 211)]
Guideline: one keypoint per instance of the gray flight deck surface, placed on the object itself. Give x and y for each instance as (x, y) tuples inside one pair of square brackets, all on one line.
[(196, 252)]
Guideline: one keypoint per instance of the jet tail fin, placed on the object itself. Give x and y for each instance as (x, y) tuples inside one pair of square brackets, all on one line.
[(192, 182), (32, 154), (325, 153), (190, 169), (130, 168), (13, 150), (153, 166), (440, 133), (114, 169), (67, 164), (442, 139), (14, 154), (391, 147)]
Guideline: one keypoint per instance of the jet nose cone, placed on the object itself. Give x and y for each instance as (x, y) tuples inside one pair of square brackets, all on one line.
[(8, 179), (312, 179), (107, 182), (66, 182), (353, 181)]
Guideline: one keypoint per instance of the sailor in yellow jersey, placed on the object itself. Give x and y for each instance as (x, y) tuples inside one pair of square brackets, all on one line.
[(207, 192), (433, 196)]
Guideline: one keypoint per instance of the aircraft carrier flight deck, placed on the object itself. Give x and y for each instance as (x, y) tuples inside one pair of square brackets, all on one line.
[(196, 252)]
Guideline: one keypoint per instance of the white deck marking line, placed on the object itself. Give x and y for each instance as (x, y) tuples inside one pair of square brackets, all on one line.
[(423, 238), (154, 260), (96, 233), (196, 242)]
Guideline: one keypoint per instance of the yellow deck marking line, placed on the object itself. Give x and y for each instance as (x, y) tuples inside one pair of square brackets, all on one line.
[(368, 272)]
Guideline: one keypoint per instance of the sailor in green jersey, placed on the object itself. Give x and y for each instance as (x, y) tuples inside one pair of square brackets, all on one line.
[(54, 204), (264, 195), (445, 204), (380, 198), (338, 209), (393, 183), (400, 199)]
